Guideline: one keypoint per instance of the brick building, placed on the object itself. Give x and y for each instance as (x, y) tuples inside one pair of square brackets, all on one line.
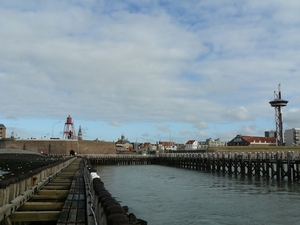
[(242, 140), (2, 131)]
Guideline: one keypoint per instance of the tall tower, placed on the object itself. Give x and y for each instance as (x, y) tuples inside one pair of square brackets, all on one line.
[(278, 103), (79, 133), (69, 130)]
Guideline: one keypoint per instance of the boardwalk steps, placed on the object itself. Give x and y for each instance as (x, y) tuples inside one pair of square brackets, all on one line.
[(61, 201)]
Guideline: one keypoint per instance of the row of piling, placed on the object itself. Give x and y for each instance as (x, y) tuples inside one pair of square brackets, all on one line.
[(274, 165)]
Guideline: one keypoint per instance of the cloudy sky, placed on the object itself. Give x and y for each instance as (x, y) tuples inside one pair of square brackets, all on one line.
[(151, 70)]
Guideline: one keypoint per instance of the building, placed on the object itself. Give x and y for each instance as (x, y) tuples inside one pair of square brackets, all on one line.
[(166, 146), (242, 140), (191, 145), (79, 137), (123, 144), (270, 133), (2, 131), (213, 143), (292, 136), (202, 144)]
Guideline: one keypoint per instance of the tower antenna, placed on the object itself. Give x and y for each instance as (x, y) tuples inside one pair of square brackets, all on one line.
[(278, 103)]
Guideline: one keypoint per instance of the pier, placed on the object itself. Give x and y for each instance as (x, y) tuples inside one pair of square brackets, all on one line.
[(274, 165), (70, 192)]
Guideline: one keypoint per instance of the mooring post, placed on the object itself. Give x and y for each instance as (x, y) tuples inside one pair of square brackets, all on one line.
[(282, 157), (257, 165), (267, 162), (213, 162), (249, 172), (236, 163), (218, 162), (223, 163), (289, 170), (229, 163), (208, 165), (242, 164)]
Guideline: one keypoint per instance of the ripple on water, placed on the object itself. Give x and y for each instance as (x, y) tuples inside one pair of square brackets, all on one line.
[(167, 195)]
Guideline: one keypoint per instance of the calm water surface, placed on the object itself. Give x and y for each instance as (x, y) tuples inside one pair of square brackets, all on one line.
[(166, 195)]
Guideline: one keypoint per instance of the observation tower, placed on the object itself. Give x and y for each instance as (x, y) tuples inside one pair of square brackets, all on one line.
[(278, 103), (69, 129)]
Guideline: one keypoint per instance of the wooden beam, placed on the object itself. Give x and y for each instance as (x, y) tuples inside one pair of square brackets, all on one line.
[(53, 192), (41, 206), (34, 216), (59, 180), (48, 197), (57, 187)]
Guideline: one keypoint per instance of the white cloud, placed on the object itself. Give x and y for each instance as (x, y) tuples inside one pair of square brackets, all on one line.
[(200, 125), (239, 114), (162, 128), (115, 124), (249, 130), (292, 118), (199, 63)]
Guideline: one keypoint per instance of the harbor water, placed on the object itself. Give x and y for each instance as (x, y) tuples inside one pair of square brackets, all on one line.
[(164, 195)]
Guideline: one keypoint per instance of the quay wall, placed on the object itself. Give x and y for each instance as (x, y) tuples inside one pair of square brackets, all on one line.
[(62, 147)]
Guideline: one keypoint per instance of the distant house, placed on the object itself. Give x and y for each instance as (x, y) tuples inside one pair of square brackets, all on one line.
[(167, 145), (243, 140), (123, 144), (191, 145), (217, 142), (2, 131)]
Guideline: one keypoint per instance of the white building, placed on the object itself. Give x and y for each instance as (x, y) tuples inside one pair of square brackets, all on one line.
[(216, 142), (211, 143), (292, 136), (191, 145), (270, 133)]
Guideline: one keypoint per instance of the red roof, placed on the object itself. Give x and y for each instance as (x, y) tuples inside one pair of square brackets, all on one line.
[(259, 139), (166, 143), (190, 142)]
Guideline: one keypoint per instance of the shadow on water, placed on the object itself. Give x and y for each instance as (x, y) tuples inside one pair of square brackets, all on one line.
[(261, 183)]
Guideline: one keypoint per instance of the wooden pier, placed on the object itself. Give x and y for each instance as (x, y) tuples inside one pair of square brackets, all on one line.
[(119, 159), (274, 165), (71, 194)]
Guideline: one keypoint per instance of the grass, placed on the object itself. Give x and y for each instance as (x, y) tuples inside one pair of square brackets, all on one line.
[(254, 148)]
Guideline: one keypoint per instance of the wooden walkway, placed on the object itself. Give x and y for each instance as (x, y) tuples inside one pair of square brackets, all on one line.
[(62, 201), (275, 165)]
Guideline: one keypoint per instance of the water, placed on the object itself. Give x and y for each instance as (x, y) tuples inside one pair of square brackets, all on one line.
[(166, 195)]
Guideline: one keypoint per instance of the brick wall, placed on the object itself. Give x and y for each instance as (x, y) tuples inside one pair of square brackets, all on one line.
[(60, 146)]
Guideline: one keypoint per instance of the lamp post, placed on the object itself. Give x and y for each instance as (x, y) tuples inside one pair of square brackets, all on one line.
[(12, 133), (53, 127)]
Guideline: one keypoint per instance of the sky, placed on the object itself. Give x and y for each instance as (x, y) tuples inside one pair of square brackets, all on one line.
[(166, 70)]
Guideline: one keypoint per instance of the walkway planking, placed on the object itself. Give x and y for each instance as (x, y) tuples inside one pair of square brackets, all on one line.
[(61, 201)]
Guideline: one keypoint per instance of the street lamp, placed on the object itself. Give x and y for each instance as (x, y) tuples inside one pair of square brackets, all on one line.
[(53, 127), (12, 133)]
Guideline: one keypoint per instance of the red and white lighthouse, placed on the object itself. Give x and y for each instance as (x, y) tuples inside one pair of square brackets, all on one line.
[(69, 130)]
